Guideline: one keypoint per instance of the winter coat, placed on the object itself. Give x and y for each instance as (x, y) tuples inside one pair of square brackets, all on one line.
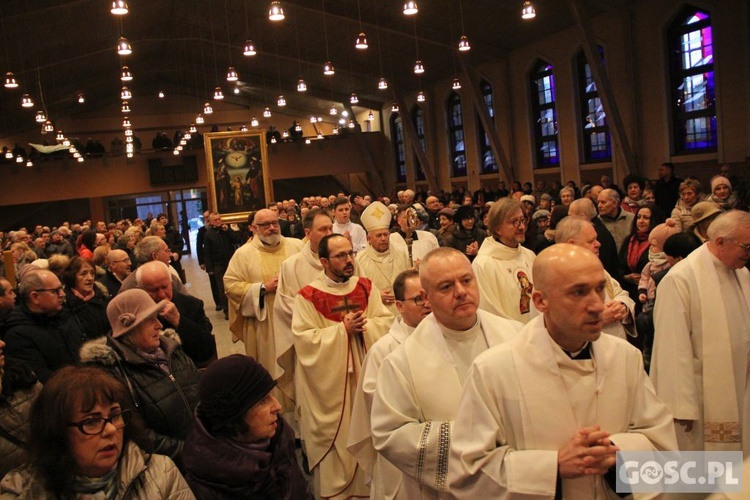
[(460, 238), (14, 420), (44, 343), (166, 402), (217, 468), (90, 315), (139, 476)]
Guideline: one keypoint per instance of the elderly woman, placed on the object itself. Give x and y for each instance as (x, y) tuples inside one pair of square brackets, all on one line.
[(690, 194), (634, 186), (161, 379), (79, 446), (239, 446), (721, 193), (85, 299)]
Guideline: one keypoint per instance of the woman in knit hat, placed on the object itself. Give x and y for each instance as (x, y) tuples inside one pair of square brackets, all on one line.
[(466, 236), (721, 193), (161, 380), (239, 446)]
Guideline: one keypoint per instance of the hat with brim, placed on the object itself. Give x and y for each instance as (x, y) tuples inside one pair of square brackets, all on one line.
[(131, 308), (704, 210), (529, 198)]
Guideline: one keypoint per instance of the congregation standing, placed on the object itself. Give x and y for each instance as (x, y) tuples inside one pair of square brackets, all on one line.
[(447, 345)]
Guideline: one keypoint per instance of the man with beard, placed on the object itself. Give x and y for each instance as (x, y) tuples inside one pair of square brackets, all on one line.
[(337, 318), (251, 281)]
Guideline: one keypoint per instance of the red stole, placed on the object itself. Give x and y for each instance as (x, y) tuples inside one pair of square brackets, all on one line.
[(335, 307)]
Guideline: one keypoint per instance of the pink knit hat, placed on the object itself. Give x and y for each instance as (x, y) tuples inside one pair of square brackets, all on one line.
[(660, 233), (720, 180)]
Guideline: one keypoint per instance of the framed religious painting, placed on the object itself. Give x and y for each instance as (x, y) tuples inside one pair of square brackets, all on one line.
[(238, 181)]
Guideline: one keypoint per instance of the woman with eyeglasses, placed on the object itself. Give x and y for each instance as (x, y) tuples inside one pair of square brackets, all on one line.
[(79, 446), (161, 380)]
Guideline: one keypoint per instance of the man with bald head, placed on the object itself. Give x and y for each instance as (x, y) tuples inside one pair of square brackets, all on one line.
[(544, 414), (184, 313), (419, 384), (585, 209), (118, 268), (251, 281)]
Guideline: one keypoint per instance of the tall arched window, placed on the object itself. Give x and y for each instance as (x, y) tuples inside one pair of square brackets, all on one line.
[(597, 143), (486, 157), (544, 115), (456, 136), (417, 118), (692, 84), (397, 136)]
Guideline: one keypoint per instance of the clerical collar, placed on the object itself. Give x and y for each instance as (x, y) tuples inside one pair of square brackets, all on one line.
[(462, 335), (583, 353), (503, 244)]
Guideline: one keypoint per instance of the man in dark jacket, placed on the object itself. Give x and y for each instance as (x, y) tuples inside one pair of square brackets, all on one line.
[(38, 332), (58, 245), (218, 247), (118, 268), (200, 243), (583, 208), (184, 313)]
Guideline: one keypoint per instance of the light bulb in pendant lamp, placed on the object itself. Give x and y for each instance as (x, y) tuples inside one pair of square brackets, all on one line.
[(353, 99), (161, 94), (126, 122), (29, 164), (267, 113), (9, 155), (382, 84), (243, 128), (10, 81), (394, 108), (275, 11), (128, 132), (218, 94), (236, 90), (179, 147), (313, 119), (125, 108), (285, 134), (273, 140), (65, 142), (59, 137), (333, 111), (81, 98), (254, 122), (40, 117), (370, 116), (528, 11), (26, 101), (301, 85), (361, 42), (199, 120), (232, 75), (418, 68), (125, 74), (308, 141), (48, 127), (193, 129), (328, 69), (129, 154), (80, 159), (128, 138), (298, 128), (249, 49), (19, 159), (281, 102), (119, 7), (129, 148), (175, 152), (351, 124), (186, 137), (456, 84), (410, 8), (320, 135), (207, 109), (421, 96), (125, 94), (463, 44), (123, 47)]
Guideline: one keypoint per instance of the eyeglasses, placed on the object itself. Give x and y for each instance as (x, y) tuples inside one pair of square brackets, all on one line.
[(126, 259), (744, 246), (56, 291), (517, 223), (344, 256), (418, 300), (93, 426), (266, 225)]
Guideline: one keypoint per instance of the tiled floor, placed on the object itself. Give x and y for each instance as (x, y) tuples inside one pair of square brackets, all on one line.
[(199, 286)]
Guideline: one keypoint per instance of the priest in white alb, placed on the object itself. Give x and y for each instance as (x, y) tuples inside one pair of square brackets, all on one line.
[(413, 308), (544, 415), (378, 261), (503, 265), (419, 384), (250, 283), (336, 319), (702, 340)]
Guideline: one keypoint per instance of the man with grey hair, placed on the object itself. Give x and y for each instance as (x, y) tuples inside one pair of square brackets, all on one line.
[(701, 348), (618, 317), (118, 268), (617, 220), (39, 332), (585, 209), (149, 249)]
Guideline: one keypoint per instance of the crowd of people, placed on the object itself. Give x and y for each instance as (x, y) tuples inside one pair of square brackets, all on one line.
[(421, 345)]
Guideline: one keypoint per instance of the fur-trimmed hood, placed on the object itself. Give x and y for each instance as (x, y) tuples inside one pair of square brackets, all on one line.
[(106, 350)]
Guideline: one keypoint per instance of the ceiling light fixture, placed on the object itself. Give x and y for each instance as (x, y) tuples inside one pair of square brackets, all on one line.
[(394, 108), (26, 101), (19, 159), (301, 85), (119, 7), (243, 128), (40, 117), (333, 111), (298, 128), (307, 141), (199, 120), (249, 49), (128, 132), (285, 134), (410, 8), (123, 47), (382, 84), (207, 109), (276, 11), (418, 68), (254, 122), (48, 127), (232, 75), (463, 44), (10, 81), (528, 11), (370, 116), (59, 137), (456, 84), (29, 164), (361, 42), (125, 94), (421, 97), (81, 98), (161, 94), (328, 69), (236, 90), (193, 129), (125, 74), (126, 122), (353, 99), (281, 102), (218, 94), (273, 140), (125, 108), (267, 113)]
